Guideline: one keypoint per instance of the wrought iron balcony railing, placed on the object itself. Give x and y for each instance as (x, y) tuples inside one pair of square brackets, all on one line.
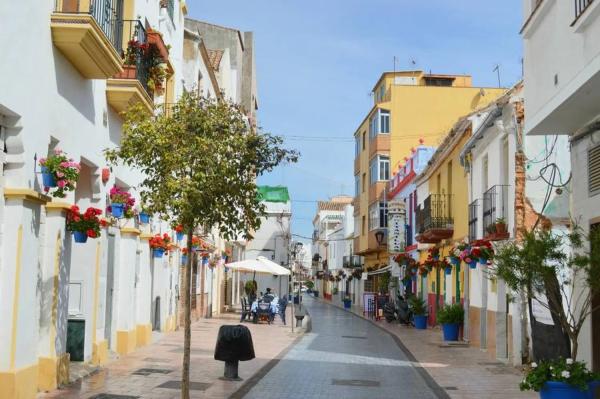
[(107, 13), (409, 235), (473, 219), (581, 6), (135, 55), (495, 209), (434, 218), (352, 261)]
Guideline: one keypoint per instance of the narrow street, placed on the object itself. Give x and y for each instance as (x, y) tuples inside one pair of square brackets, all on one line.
[(344, 357)]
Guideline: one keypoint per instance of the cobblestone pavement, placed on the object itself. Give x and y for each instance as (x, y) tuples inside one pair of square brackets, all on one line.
[(344, 357), (154, 371)]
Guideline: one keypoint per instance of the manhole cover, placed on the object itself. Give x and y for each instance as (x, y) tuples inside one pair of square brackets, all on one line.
[(356, 383), (112, 396), (451, 388), (194, 385), (353, 336), (148, 371)]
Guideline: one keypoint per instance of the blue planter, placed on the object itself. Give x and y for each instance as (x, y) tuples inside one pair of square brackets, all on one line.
[(48, 178), (455, 261), (436, 257), (420, 322), (144, 218), (184, 259), (561, 390), (158, 252), (117, 210), (483, 261), (80, 236), (450, 331), (473, 264), (179, 236), (448, 270), (347, 304)]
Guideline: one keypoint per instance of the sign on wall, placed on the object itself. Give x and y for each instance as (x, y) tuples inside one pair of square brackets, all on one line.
[(396, 230)]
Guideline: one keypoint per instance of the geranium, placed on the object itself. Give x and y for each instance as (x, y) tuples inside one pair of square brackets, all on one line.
[(434, 252), (160, 242), (64, 170), (179, 228), (87, 222), (119, 196)]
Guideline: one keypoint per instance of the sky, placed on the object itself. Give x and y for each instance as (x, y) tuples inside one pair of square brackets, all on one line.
[(317, 61)]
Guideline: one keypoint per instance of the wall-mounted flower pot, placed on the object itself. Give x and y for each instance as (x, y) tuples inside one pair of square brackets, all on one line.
[(158, 252), (483, 261), (448, 270), (48, 178), (117, 210), (450, 331), (420, 322), (455, 261), (184, 259), (473, 264), (155, 38), (144, 218), (80, 236), (179, 236)]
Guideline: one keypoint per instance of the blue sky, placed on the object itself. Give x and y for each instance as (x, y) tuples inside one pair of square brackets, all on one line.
[(317, 60)]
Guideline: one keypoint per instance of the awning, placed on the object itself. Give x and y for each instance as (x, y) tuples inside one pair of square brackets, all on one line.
[(277, 269), (380, 271), (259, 265)]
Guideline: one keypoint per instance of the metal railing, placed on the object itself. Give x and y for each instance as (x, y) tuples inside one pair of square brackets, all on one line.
[(134, 54), (473, 219), (436, 213), (352, 261), (409, 235), (107, 13), (581, 6), (495, 206)]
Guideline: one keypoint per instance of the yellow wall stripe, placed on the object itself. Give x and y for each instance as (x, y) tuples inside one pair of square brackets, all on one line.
[(96, 283), (13, 347), (57, 251)]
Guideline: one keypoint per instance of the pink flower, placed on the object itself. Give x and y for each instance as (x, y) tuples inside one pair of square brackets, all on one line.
[(60, 174), (61, 183), (42, 161), (58, 151), (46, 189), (64, 164)]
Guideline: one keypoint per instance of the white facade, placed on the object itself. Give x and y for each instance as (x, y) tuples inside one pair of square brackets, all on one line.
[(110, 284), (562, 73)]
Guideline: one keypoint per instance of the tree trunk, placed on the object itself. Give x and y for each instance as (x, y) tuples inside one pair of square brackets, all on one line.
[(185, 373)]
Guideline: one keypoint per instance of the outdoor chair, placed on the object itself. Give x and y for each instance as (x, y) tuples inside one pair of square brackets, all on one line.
[(263, 313), (245, 310)]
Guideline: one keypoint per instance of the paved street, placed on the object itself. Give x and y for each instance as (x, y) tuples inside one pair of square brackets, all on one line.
[(344, 357)]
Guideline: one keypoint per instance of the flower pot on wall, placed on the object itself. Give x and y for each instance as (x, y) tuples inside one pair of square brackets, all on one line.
[(144, 218), (48, 178), (158, 252), (184, 259), (117, 210), (179, 236), (80, 236)]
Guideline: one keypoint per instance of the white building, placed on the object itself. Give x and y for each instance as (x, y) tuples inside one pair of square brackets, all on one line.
[(67, 93), (562, 74)]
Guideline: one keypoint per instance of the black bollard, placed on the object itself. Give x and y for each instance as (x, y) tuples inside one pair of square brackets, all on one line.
[(231, 371), (234, 343)]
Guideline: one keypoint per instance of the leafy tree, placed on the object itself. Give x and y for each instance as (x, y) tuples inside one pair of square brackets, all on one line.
[(200, 161), (565, 268)]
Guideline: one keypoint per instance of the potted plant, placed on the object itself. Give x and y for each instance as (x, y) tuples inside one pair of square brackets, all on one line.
[(419, 309), (84, 225), (451, 317), (179, 232), (250, 288), (434, 252), (456, 251), (144, 215), (347, 302), (160, 244), (184, 256), (560, 378), (60, 172), (500, 226), (121, 203), (196, 243)]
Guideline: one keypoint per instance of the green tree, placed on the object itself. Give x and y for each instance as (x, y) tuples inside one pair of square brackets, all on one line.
[(563, 267), (200, 162)]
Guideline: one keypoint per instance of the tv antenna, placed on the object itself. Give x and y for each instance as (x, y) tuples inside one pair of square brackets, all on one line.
[(497, 70)]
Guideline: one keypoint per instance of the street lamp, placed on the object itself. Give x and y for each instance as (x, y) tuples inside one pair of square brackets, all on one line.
[(379, 238)]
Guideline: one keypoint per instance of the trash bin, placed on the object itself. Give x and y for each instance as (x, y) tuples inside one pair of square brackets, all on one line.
[(234, 344)]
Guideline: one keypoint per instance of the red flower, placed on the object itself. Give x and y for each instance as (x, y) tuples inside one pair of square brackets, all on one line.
[(103, 223), (91, 233)]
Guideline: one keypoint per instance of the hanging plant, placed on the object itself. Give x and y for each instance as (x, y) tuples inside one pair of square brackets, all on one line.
[(434, 253), (121, 203), (456, 251), (84, 225), (59, 173), (160, 244), (179, 232)]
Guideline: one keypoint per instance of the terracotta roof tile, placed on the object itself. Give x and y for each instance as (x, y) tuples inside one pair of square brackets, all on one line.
[(331, 206)]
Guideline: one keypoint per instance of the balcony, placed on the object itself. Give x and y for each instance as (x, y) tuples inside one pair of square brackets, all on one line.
[(356, 205), (434, 219), (380, 144), (473, 219), (580, 7), (495, 212), (89, 35), (376, 191), (131, 85), (352, 261)]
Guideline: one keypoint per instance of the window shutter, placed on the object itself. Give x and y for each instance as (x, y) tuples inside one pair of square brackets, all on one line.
[(594, 170)]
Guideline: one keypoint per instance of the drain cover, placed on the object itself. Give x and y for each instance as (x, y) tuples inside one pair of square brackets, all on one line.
[(112, 396), (356, 383), (151, 371), (194, 385), (353, 336)]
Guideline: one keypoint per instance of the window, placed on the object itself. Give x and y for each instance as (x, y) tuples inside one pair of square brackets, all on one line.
[(364, 140), (356, 185), (484, 174), (381, 92), (379, 123), (364, 182), (439, 81), (378, 216), (362, 226), (380, 169), (594, 171), (356, 146)]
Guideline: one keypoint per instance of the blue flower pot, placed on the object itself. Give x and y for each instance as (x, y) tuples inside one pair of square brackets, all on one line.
[(473, 264), (347, 304), (455, 261), (436, 257), (184, 259), (144, 218), (117, 210), (483, 261), (448, 270), (179, 236), (80, 236), (158, 252), (450, 331), (420, 322), (562, 390), (48, 178)]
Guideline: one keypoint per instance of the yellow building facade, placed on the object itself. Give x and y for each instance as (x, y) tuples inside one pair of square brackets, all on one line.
[(408, 106)]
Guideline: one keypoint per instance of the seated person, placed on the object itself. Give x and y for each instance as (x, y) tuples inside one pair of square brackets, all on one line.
[(268, 297)]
